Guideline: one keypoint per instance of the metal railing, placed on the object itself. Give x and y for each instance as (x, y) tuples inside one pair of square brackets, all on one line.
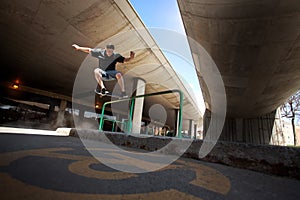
[(132, 99)]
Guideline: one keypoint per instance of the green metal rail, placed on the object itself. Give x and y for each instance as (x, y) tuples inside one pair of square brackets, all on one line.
[(132, 105)]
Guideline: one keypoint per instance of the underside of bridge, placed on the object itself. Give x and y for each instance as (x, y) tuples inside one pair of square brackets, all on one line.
[(36, 50), (255, 46)]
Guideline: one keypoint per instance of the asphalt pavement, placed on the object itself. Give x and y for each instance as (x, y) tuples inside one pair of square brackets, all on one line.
[(61, 167)]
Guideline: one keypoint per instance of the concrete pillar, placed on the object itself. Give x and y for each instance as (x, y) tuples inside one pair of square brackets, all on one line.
[(195, 131), (191, 128), (278, 137), (81, 114), (50, 110), (138, 106), (61, 113), (176, 122)]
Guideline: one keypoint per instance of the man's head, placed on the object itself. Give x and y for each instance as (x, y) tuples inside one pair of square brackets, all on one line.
[(110, 49)]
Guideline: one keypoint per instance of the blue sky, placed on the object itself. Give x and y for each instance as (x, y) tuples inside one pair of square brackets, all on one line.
[(159, 13), (164, 14)]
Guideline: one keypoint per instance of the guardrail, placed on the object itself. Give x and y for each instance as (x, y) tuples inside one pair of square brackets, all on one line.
[(132, 99)]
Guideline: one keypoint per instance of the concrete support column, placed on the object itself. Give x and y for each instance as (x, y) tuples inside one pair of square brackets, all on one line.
[(138, 106), (191, 129), (176, 122), (195, 131), (81, 114), (61, 113), (51, 110), (278, 137)]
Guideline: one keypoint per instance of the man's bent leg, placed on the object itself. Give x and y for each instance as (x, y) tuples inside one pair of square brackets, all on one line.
[(120, 81), (121, 84), (98, 77)]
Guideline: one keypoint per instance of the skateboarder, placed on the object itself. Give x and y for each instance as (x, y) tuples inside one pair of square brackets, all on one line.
[(107, 66)]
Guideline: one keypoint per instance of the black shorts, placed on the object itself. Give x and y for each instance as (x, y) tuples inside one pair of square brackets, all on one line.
[(110, 75)]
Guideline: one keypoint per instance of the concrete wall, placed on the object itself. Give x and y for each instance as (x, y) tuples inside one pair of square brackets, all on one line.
[(288, 133), (277, 160), (266, 129)]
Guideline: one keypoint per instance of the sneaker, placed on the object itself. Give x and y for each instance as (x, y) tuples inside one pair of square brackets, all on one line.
[(104, 91), (97, 91), (124, 95)]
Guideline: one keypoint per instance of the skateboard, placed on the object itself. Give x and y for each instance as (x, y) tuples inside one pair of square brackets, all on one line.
[(111, 95)]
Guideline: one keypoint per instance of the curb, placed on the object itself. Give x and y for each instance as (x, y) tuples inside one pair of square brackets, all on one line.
[(274, 160)]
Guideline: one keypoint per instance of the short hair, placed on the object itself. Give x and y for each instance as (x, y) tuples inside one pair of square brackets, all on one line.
[(110, 46)]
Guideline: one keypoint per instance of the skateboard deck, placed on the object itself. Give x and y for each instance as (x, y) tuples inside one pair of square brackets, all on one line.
[(110, 95)]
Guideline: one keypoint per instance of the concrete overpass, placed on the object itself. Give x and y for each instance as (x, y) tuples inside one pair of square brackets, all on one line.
[(255, 45), (36, 50)]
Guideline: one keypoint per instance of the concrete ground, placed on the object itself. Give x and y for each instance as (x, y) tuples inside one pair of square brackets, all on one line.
[(50, 167)]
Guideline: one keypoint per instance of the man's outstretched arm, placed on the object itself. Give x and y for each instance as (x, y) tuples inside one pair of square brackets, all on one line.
[(131, 56), (83, 49)]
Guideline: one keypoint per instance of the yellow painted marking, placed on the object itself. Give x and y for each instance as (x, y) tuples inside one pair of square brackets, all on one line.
[(82, 168), (9, 186), (7, 158), (148, 166), (206, 177)]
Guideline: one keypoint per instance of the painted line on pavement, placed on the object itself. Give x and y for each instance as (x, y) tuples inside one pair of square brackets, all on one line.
[(58, 132)]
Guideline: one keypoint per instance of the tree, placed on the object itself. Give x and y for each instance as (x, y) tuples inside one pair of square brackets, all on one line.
[(291, 109)]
